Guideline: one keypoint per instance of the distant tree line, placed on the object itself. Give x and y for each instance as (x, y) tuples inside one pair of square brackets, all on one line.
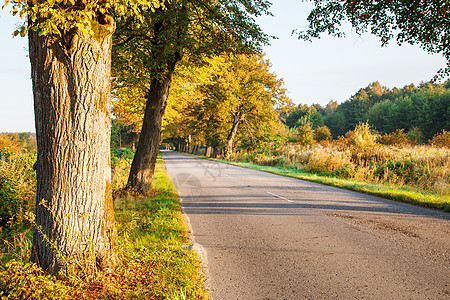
[(425, 108)]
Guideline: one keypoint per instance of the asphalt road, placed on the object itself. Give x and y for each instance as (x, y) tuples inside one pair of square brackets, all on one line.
[(264, 236)]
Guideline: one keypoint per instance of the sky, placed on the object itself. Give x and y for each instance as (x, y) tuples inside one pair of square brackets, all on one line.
[(326, 69)]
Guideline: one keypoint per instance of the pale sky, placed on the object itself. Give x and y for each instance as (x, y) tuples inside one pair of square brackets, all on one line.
[(326, 69)]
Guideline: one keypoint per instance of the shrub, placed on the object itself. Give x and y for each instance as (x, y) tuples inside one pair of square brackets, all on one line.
[(329, 161), (423, 167), (398, 137), (118, 154), (121, 159), (441, 139), (10, 205), (17, 185), (323, 133), (305, 134), (9, 142), (18, 142), (362, 137), (292, 135)]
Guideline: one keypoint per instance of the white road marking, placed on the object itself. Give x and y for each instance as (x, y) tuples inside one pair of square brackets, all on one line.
[(280, 197)]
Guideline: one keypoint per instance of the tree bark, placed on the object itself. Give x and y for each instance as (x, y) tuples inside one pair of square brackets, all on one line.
[(229, 145), (216, 151), (74, 208), (144, 161)]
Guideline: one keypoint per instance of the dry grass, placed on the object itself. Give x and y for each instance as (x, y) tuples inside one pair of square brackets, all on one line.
[(424, 167)]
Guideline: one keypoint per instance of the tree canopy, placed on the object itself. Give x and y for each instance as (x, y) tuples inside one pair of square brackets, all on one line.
[(57, 17), (234, 92), (426, 23), (191, 30), (146, 53)]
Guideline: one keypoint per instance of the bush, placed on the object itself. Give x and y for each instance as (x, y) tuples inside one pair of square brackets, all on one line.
[(10, 205), (329, 161), (441, 139), (121, 159), (399, 137), (9, 142), (18, 142), (362, 137), (305, 134), (118, 154), (322, 133), (125, 153), (423, 167), (17, 185)]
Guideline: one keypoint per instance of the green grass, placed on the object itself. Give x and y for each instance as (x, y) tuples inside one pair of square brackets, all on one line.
[(152, 244), (153, 231), (403, 194)]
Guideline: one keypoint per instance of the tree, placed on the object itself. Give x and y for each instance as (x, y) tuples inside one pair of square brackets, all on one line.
[(416, 136), (246, 91), (379, 116), (70, 55), (337, 123), (295, 115), (230, 99), (181, 28), (355, 111), (331, 107), (414, 22), (305, 132), (240, 95), (285, 109)]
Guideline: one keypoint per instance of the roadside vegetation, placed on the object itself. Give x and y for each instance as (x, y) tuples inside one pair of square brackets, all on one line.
[(360, 157), (152, 241)]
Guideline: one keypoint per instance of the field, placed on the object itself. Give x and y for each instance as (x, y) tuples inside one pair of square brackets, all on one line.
[(411, 173)]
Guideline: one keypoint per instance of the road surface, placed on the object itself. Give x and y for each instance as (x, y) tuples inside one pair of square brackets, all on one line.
[(264, 236)]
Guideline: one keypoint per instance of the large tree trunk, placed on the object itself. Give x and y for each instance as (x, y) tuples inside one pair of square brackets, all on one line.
[(71, 87), (229, 145), (144, 161)]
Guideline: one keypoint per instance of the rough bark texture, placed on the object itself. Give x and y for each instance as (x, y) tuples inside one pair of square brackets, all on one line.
[(144, 161), (71, 86)]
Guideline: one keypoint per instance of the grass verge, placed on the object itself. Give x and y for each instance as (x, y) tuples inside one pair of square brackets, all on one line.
[(156, 264), (403, 194)]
